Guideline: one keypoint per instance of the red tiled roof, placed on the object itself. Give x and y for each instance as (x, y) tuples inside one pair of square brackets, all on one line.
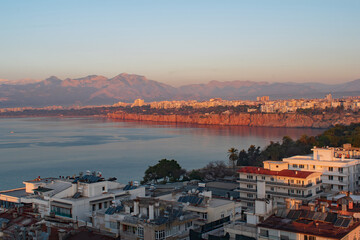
[(282, 173)]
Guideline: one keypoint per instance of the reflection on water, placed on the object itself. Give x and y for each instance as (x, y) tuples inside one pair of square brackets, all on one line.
[(63, 146)]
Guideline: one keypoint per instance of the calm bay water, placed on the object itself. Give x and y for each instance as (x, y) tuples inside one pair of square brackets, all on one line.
[(31, 147)]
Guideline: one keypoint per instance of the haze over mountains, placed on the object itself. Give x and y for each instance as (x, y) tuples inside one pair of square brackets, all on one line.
[(98, 90)]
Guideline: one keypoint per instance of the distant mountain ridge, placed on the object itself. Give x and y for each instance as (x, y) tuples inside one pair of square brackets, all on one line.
[(98, 90)]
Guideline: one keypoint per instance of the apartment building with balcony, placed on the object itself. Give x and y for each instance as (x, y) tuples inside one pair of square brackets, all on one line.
[(277, 185), (340, 167), (70, 198), (146, 218)]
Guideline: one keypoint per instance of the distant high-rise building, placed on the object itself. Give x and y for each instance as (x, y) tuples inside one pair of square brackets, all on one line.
[(138, 103), (329, 97), (263, 98)]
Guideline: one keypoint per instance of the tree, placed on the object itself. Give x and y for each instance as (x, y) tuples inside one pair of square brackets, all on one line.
[(215, 170), (164, 171), (233, 157)]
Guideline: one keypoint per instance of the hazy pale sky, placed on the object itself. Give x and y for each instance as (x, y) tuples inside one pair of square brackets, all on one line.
[(179, 41)]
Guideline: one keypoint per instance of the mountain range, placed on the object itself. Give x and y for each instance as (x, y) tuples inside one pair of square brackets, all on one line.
[(99, 90)]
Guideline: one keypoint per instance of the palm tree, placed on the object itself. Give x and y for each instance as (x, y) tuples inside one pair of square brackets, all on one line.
[(233, 157)]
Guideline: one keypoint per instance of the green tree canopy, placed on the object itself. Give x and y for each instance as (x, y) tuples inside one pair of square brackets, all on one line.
[(164, 171)]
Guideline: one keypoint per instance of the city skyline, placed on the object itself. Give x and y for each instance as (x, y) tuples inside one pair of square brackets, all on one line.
[(182, 42)]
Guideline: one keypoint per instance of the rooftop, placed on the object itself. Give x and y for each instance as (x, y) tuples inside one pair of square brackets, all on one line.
[(19, 192), (282, 173), (328, 225)]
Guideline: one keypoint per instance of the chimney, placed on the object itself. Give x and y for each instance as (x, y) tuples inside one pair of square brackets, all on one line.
[(151, 212), (323, 209), (136, 207), (312, 207), (288, 203), (343, 207)]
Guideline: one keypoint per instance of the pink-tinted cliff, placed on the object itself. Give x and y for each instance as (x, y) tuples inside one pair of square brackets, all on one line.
[(246, 119)]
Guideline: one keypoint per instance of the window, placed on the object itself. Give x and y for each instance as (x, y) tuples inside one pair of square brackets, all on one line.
[(249, 195), (272, 189), (250, 186), (292, 181), (93, 207), (249, 204), (331, 177), (341, 187), (284, 237), (250, 177), (160, 235), (341, 170), (113, 225), (263, 177), (331, 169), (295, 165), (264, 233), (309, 191), (307, 237), (272, 179), (60, 211), (341, 179), (188, 225), (140, 232), (105, 204), (292, 190), (204, 216), (298, 191), (301, 166), (313, 167), (100, 205)]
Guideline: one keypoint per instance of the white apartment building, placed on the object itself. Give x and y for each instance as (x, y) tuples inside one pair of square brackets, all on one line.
[(208, 209), (278, 184), (339, 166), (71, 198)]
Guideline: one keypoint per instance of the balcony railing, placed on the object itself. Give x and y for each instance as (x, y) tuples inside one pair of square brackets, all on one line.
[(63, 214), (289, 184), (247, 199), (246, 180), (247, 189), (289, 194)]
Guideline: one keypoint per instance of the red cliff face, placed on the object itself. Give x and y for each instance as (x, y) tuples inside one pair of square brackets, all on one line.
[(246, 119)]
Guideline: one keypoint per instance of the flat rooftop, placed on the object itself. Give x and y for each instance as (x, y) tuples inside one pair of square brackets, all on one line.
[(19, 192)]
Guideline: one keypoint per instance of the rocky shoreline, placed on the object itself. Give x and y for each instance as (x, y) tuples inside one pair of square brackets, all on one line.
[(247, 119)]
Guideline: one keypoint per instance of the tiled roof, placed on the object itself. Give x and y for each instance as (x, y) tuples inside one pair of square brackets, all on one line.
[(282, 173)]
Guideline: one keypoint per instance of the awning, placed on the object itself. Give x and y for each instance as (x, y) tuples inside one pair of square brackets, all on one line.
[(61, 204)]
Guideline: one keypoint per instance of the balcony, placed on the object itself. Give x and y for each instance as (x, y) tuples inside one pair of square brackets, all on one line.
[(289, 184), (63, 214), (247, 199), (247, 189), (246, 180), (289, 194)]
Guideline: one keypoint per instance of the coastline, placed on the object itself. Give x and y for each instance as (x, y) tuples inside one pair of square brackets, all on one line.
[(287, 120)]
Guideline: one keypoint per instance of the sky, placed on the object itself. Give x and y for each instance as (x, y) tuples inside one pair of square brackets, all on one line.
[(182, 41)]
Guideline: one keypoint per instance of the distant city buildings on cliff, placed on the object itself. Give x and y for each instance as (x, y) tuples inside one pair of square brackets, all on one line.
[(263, 104)]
